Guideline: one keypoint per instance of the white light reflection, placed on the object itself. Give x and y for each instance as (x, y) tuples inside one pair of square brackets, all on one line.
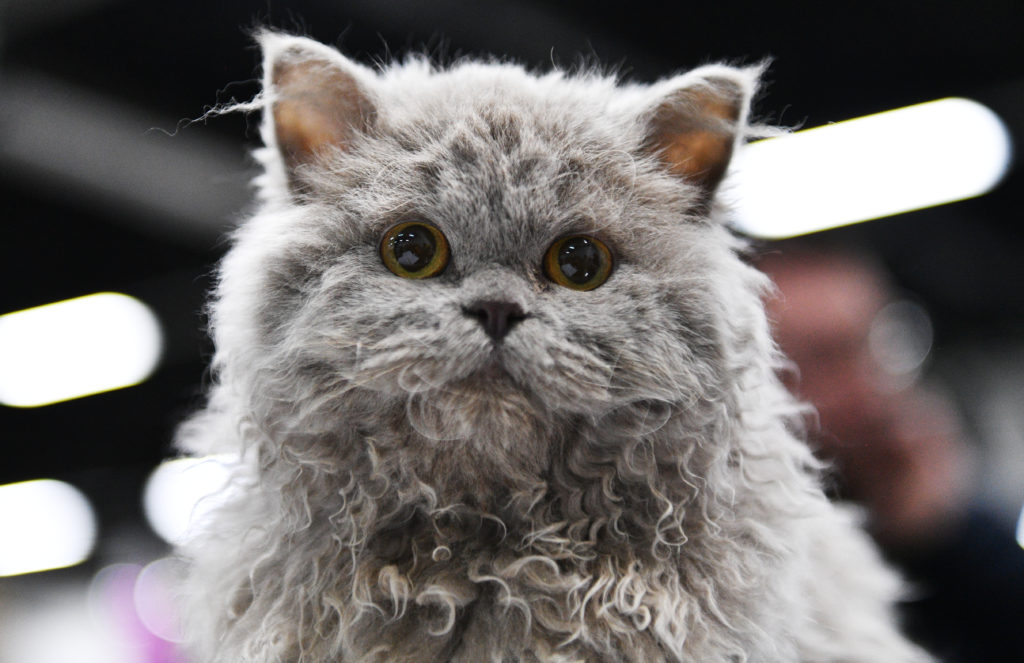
[(75, 348), (1020, 529), (869, 167), (44, 524), (900, 340), (179, 493), (156, 597), (115, 597)]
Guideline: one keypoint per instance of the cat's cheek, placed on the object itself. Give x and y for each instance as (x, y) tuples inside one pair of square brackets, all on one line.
[(430, 358)]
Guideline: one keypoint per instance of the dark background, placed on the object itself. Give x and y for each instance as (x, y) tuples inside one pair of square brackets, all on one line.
[(107, 184)]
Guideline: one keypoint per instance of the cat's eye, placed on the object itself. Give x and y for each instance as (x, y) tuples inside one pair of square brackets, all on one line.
[(579, 262), (414, 250)]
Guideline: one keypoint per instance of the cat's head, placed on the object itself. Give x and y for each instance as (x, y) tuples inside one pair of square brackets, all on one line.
[(478, 250)]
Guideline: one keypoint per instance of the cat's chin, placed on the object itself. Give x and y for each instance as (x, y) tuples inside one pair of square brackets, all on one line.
[(482, 430), (491, 371), (487, 403)]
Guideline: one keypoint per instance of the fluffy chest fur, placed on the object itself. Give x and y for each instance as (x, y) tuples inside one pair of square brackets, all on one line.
[(503, 389)]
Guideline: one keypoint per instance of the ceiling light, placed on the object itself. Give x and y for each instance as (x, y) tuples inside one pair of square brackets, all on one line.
[(180, 492), (75, 348), (44, 524), (870, 167)]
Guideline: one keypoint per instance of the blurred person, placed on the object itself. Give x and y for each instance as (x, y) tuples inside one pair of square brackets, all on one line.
[(897, 448)]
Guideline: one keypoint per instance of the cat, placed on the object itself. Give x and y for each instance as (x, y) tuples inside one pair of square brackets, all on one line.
[(503, 389)]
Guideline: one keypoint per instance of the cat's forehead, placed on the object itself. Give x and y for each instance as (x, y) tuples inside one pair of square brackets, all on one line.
[(491, 148), (493, 177), (552, 113)]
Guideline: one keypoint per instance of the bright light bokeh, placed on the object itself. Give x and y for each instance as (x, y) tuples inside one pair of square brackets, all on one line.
[(1020, 529), (179, 493), (870, 167), (157, 587), (75, 348), (108, 619), (44, 524), (54, 625), (900, 340)]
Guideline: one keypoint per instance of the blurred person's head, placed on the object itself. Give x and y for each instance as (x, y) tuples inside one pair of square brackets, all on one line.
[(896, 447), (822, 316)]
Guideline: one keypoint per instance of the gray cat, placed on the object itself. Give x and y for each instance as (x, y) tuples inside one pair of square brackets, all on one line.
[(504, 391)]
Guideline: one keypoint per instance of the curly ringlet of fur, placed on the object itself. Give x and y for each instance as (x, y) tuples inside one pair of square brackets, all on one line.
[(630, 488)]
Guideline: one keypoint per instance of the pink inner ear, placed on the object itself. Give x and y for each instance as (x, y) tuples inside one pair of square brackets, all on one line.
[(701, 157), (317, 107), (694, 130), (303, 131)]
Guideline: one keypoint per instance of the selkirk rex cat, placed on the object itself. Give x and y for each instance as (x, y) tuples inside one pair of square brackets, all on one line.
[(504, 390)]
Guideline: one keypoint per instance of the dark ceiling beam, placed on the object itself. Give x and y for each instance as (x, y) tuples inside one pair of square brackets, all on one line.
[(182, 184)]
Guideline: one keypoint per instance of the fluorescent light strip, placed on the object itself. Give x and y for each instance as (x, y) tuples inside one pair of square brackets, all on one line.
[(44, 524), (870, 167), (76, 348)]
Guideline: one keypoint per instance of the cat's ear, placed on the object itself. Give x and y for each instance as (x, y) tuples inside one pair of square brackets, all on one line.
[(316, 100), (693, 121)]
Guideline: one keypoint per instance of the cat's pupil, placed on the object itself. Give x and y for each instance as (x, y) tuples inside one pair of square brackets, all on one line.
[(414, 247), (579, 260)]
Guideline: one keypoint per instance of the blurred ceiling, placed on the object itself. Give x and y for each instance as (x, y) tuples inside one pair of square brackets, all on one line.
[(109, 184)]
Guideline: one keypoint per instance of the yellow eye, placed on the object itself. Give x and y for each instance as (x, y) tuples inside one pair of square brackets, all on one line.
[(414, 250), (578, 262)]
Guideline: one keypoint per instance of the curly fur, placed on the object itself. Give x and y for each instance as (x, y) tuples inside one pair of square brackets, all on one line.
[(629, 486)]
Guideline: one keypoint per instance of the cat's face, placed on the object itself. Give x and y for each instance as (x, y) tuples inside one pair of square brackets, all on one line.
[(565, 267)]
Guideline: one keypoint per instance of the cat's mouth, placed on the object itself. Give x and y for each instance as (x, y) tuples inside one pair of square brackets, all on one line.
[(494, 367), (498, 372)]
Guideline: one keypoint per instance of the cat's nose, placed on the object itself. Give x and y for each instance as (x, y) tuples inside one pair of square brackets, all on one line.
[(497, 317)]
